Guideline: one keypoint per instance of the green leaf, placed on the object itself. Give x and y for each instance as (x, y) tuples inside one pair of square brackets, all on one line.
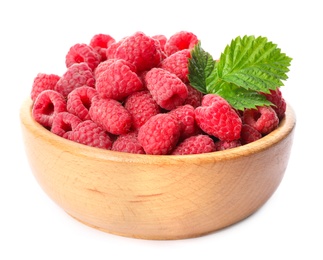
[(253, 63), (240, 98), (247, 67), (201, 68)]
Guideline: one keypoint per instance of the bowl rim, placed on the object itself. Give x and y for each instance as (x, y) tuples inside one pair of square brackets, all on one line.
[(285, 127)]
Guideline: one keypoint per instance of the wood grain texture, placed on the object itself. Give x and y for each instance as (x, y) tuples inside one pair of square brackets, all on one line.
[(157, 197)]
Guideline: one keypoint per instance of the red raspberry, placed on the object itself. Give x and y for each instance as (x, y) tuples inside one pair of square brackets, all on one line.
[(166, 88), (264, 119), (194, 97), (111, 116), (162, 39), (79, 101), (160, 134), (279, 102), (128, 143), (177, 63), (225, 145), (141, 106), (195, 144), (64, 123), (77, 75), (118, 81), (111, 50), (180, 41), (100, 43), (216, 117), (141, 50), (43, 82), (90, 133), (82, 52), (46, 106), (186, 116), (249, 134), (103, 66)]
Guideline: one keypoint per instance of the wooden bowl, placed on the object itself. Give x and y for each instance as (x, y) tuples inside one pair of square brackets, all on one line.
[(156, 196)]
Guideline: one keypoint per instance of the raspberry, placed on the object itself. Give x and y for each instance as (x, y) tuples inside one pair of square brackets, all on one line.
[(186, 116), (90, 133), (64, 123), (195, 144), (194, 97), (47, 104), (82, 52), (118, 81), (100, 43), (263, 119), (162, 39), (77, 75), (111, 50), (111, 116), (140, 50), (43, 82), (160, 134), (166, 88), (216, 117), (79, 101), (177, 63), (279, 102), (141, 106), (180, 41), (128, 143), (249, 134), (134, 95), (103, 66), (225, 145)]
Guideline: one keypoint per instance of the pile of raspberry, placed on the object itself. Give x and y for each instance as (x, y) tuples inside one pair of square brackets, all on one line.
[(134, 95)]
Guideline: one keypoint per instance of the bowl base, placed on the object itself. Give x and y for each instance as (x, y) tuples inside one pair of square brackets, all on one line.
[(156, 236)]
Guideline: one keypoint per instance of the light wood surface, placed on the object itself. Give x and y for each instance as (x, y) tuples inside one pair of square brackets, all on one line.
[(157, 197)]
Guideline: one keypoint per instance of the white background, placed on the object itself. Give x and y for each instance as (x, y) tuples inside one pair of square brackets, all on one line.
[(35, 36)]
